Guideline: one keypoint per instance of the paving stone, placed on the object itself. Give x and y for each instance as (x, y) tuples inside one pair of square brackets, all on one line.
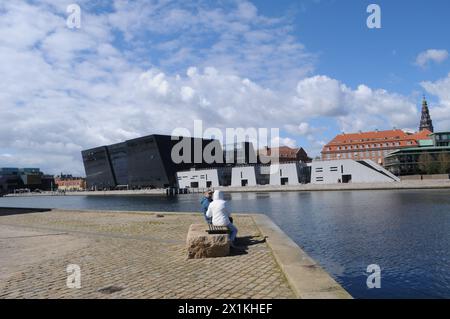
[(140, 252)]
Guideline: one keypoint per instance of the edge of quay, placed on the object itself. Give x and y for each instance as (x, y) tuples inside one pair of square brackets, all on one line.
[(410, 185), (306, 278), (404, 185)]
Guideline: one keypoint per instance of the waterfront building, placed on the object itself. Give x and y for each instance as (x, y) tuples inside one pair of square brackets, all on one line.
[(441, 138), (429, 157), (288, 174), (283, 154), (242, 176), (419, 161), (373, 146), (349, 171), (32, 179), (119, 163), (145, 162), (70, 183), (9, 180), (98, 168), (207, 178), (250, 175), (317, 172), (377, 145)]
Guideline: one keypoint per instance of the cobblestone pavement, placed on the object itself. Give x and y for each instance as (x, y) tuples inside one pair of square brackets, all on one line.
[(129, 255)]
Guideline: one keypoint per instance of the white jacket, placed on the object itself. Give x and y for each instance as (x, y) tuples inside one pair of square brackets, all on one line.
[(218, 210)]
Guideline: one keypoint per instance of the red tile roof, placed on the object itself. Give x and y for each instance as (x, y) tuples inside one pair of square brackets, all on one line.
[(377, 139)]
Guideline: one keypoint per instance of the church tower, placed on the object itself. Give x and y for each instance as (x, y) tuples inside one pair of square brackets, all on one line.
[(425, 120)]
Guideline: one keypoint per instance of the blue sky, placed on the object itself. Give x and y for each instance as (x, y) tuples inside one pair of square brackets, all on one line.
[(311, 68), (377, 57)]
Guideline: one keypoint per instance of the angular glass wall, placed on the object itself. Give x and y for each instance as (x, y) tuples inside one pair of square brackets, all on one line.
[(98, 169)]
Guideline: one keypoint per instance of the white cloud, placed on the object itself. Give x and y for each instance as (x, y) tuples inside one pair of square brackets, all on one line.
[(431, 55), (67, 90), (233, 37), (302, 129), (320, 95), (359, 109), (284, 141)]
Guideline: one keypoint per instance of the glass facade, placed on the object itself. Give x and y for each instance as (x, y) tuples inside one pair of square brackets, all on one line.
[(97, 165), (441, 139), (119, 162), (144, 162), (416, 161)]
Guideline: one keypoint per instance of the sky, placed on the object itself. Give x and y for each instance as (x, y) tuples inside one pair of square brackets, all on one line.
[(311, 68)]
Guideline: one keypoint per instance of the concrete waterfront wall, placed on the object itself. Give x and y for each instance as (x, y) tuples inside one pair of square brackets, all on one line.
[(430, 184), (414, 184), (436, 177), (158, 191), (411, 178)]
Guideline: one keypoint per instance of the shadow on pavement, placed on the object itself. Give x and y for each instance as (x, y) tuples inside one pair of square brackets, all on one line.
[(242, 244), (5, 211)]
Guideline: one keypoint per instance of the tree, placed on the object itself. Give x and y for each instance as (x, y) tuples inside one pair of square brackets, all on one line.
[(427, 164), (444, 163)]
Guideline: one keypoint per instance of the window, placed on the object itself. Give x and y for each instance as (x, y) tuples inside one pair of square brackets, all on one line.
[(333, 169), (319, 169), (319, 179)]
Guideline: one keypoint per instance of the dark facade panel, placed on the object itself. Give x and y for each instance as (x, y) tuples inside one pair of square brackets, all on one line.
[(98, 168), (145, 166), (9, 182), (119, 162)]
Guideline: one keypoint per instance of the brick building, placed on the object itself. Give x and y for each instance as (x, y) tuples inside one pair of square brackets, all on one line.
[(374, 145), (377, 145), (285, 154), (69, 183)]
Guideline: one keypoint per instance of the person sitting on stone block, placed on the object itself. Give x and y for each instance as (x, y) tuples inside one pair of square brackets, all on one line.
[(204, 203), (219, 212)]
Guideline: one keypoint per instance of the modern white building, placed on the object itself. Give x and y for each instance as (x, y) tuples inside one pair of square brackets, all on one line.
[(349, 171), (204, 178), (321, 172), (286, 174), (244, 176)]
